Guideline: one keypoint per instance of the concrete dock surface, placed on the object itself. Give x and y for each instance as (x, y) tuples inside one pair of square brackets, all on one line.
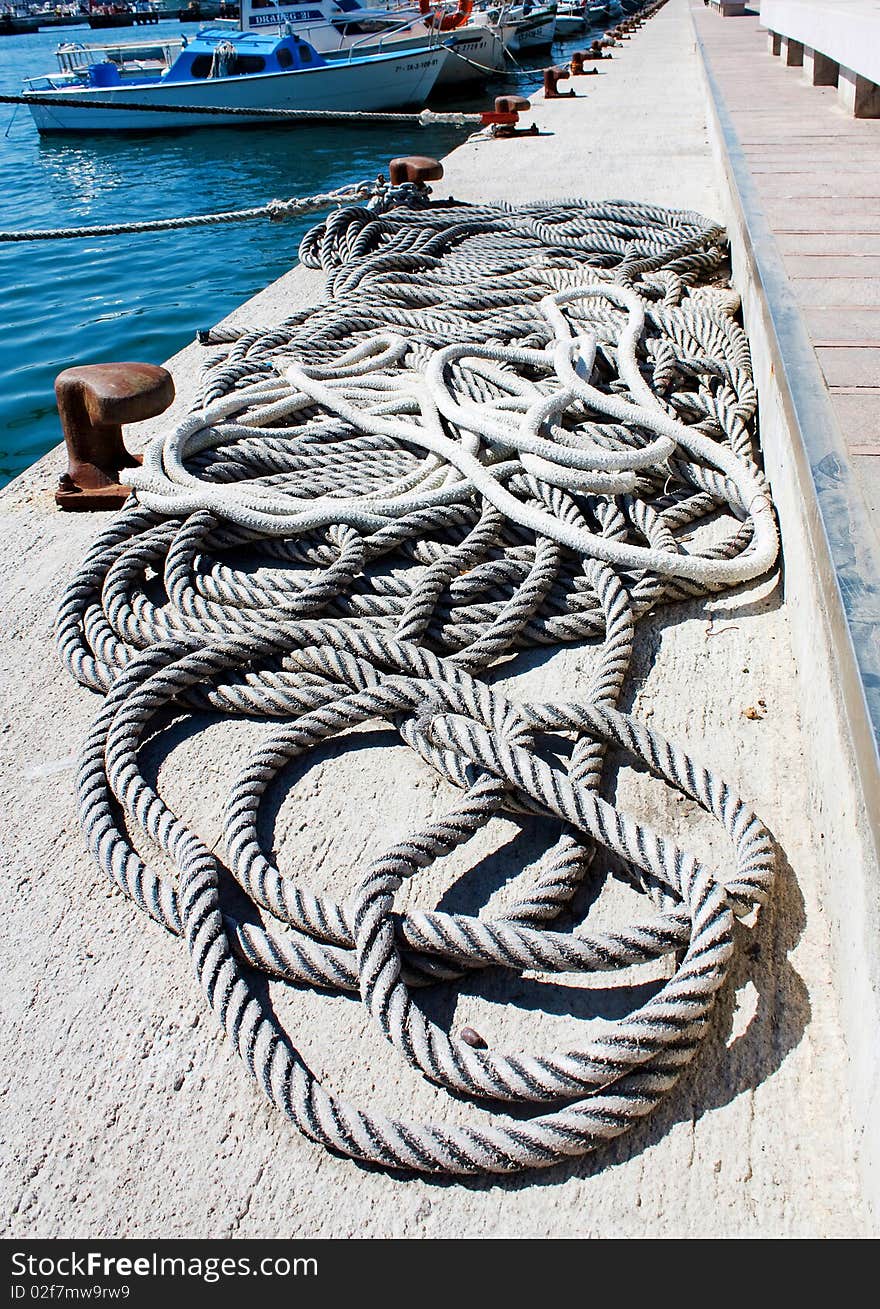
[(126, 1114)]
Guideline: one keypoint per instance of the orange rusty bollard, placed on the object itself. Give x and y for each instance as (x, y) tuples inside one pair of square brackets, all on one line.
[(576, 64), (94, 401), (552, 78), (505, 116), (414, 168)]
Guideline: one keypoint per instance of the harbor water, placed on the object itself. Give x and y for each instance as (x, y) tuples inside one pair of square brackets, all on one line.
[(144, 297)]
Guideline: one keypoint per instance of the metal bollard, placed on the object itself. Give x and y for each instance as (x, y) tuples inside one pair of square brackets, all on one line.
[(414, 168), (94, 401), (505, 116), (576, 64), (552, 78)]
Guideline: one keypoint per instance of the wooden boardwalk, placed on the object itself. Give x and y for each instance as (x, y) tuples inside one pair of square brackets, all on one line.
[(816, 171)]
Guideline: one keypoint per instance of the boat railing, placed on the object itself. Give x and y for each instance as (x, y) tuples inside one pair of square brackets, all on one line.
[(77, 57), (378, 39), (49, 82)]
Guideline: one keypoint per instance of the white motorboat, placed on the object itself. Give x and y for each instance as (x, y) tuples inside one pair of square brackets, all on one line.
[(524, 26), (335, 27), (221, 70), (571, 18)]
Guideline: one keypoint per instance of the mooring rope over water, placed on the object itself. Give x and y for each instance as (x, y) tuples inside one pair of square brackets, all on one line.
[(423, 118), (505, 428), (375, 195)]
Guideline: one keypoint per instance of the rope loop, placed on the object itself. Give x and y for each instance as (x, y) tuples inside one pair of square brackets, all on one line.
[(504, 429)]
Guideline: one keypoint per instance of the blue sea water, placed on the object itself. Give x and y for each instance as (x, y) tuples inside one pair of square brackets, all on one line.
[(144, 297)]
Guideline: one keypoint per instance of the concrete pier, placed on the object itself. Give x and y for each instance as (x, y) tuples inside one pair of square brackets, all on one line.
[(819, 70), (126, 1112)]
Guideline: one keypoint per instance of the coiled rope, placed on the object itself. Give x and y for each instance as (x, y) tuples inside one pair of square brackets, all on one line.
[(497, 433)]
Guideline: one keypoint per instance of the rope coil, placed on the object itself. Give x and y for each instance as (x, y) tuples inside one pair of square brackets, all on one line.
[(497, 433)]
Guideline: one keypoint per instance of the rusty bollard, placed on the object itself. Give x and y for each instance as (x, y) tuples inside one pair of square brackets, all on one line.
[(505, 116), (414, 168), (93, 402), (576, 64), (552, 78)]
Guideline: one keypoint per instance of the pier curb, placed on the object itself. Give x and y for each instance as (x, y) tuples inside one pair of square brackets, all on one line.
[(831, 571)]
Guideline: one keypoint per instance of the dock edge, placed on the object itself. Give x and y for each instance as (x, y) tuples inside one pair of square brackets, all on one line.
[(826, 532)]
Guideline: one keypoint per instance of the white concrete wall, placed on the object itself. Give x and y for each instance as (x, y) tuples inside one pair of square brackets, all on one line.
[(847, 31)]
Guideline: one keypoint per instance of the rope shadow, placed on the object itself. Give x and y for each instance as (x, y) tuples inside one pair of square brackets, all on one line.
[(725, 1066)]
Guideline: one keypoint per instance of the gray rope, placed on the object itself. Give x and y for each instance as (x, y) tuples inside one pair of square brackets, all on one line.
[(504, 428), (377, 195), (424, 118)]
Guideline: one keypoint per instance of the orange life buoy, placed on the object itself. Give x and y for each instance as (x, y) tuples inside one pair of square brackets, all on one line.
[(442, 19)]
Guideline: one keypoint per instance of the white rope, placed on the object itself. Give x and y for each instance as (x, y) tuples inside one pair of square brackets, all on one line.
[(378, 193), (495, 434), (485, 432)]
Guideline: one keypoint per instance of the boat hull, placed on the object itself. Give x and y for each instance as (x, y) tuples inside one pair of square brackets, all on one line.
[(472, 53), (536, 33), (471, 56), (388, 83)]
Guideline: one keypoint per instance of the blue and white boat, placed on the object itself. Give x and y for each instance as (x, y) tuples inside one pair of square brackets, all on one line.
[(221, 69)]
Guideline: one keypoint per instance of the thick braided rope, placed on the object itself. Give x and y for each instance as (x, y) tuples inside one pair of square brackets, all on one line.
[(622, 1073), (505, 428), (424, 118), (376, 195)]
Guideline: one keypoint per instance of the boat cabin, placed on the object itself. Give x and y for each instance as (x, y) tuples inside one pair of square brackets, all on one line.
[(217, 52)]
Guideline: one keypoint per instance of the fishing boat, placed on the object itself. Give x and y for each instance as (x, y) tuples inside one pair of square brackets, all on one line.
[(221, 70), (473, 50), (525, 26), (571, 19)]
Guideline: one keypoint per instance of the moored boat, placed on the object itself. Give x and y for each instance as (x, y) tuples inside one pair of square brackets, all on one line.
[(219, 70), (525, 26), (571, 19), (17, 20), (473, 50)]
